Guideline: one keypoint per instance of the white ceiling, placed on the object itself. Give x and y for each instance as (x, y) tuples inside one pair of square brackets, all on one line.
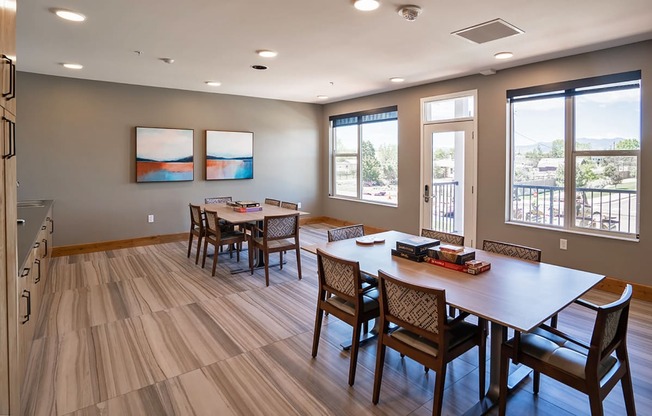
[(326, 47)]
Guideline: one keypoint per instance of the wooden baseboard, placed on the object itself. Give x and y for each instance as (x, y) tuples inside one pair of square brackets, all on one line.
[(613, 285), (117, 244)]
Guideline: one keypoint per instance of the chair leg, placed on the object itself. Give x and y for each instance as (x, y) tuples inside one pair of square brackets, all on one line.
[(203, 260), (298, 262), (380, 363), (355, 345), (266, 268), (237, 252), (451, 311), (628, 391), (280, 262), (553, 320), (536, 381), (365, 327), (190, 244), (251, 257), (439, 391), (215, 256), (198, 246), (596, 404), (317, 331)]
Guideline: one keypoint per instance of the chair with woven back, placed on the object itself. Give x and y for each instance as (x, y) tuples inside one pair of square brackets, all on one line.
[(290, 205), (274, 202), (216, 236), (447, 238), (196, 229), (425, 333), (352, 302), (345, 232), (590, 368), (280, 233), (218, 200)]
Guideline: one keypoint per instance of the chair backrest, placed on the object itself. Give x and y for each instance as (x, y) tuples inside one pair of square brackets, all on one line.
[(418, 309), (512, 250), (280, 227), (195, 216), (339, 276), (218, 200), (275, 202), (290, 205), (448, 238), (212, 223), (343, 233), (610, 329)]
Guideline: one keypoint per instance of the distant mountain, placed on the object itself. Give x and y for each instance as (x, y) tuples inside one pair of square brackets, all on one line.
[(596, 144), (211, 157), (187, 159)]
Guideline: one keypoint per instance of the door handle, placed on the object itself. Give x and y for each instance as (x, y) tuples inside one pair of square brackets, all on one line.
[(426, 194), (27, 295)]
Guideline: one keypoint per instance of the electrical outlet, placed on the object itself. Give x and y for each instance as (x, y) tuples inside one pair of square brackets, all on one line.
[(150, 218), (299, 205), (563, 244)]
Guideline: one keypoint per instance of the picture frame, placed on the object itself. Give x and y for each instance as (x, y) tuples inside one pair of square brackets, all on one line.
[(229, 155), (164, 154)]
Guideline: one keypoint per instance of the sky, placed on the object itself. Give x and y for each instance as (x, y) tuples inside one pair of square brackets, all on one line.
[(230, 144), (163, 144)]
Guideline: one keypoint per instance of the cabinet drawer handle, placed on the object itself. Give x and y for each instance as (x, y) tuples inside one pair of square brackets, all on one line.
[(37, 245), (43, 227), (11, 143), (11, 94), (38, 276), (45, 241), (27, 295), (25, 272), (51, 225)]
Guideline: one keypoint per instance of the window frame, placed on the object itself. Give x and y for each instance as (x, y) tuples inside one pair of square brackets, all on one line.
[(569, 90), (362, 117)]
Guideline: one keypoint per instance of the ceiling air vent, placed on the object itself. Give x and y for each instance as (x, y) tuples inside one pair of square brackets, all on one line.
[(488, 31)]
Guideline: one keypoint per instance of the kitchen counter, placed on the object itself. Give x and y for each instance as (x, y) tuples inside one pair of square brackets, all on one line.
[(34, 214)]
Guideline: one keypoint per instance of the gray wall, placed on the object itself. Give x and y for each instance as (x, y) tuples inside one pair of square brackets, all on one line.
[(76, 144), (621, 259)]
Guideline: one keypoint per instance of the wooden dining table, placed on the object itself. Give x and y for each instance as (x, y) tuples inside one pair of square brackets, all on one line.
[(228, 214), (514, 293)]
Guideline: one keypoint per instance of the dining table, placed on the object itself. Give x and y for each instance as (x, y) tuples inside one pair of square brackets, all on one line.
[(513, 293), (227, 213)]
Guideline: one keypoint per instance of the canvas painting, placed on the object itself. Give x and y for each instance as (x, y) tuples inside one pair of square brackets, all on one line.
[(164, 155), (229, 155)]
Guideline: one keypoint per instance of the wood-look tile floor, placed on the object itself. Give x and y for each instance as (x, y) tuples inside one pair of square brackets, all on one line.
[(145, 331)]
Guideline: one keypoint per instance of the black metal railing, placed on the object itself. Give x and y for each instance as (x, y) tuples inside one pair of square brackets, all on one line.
[(443, 206), (607, 209)]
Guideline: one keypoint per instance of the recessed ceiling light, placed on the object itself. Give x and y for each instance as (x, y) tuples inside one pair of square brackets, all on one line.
[(69, 15), (322, 97), (213, 83), (366, 5), (73, 66), (503, 55), (397, 79), (259, 67), (266, 53)]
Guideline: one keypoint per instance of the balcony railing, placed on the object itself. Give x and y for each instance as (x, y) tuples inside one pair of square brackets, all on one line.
[(443, 206), (606, 209)]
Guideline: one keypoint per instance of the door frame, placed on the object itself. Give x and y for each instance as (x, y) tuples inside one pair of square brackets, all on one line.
[(470, 227)]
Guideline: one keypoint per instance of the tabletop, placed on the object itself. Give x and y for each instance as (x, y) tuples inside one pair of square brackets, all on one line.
[(516, 293), (227, 213)]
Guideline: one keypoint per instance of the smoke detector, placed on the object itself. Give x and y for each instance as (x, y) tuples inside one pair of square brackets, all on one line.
[(409, 12)]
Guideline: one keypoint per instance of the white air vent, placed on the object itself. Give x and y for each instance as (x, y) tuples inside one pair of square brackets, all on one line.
[(488, 31)]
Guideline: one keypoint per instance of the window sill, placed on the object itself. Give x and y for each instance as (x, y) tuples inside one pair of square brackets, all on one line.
[(625, 237), (363, 201)]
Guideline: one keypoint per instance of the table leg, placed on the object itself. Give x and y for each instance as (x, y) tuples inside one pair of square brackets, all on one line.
[(498, 336)]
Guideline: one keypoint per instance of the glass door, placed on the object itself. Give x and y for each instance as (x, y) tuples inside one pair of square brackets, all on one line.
[(448, 199)]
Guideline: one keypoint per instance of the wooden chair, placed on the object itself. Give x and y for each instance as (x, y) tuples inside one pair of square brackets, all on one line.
[(290, 205), (590, 368), (424, 332), (280, 233), (351, 302), (196, 228), (217, 237), (275, 202), (218, 200), (447, 238), (346, 232)]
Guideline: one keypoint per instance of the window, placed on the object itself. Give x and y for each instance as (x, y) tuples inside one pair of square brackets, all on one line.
[(364, 149), (575, 154)]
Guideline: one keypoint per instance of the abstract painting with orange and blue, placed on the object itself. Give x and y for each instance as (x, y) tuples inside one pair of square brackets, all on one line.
[(229, 155), (164, 155)]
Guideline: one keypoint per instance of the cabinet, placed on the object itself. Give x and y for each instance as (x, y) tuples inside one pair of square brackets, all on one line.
[(10, 284)]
